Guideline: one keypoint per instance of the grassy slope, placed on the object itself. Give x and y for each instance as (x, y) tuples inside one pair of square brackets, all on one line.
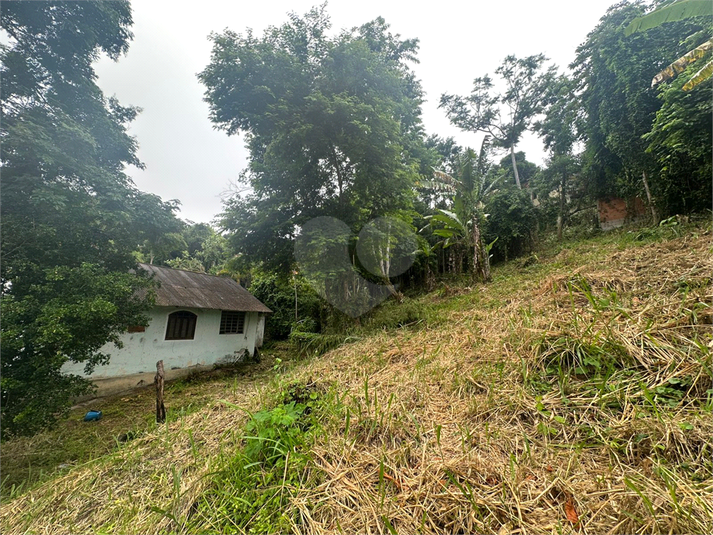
[(28, 461), (571, 393)]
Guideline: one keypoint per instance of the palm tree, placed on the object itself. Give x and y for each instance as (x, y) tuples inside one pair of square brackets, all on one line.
[(683, 9), (467, 192)]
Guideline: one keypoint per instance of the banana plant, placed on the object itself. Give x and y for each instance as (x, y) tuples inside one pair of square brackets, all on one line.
[(683, 9), (467, 193)]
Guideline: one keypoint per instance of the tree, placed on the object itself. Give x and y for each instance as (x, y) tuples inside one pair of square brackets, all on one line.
[(206, 250), (386, 248), (512, 218), (467, 190), (559, 131), (680, 10), (330, 123), (278, 293), (526, 169), (523, 100), (681, 142), (162, 237), (619, 106), (70, 216), (561, 175)]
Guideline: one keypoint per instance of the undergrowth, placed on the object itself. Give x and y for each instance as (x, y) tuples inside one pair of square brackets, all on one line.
[(574, 393), (251, 488)]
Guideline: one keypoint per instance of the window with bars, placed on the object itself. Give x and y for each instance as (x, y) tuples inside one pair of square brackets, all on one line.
[(181, 325), (232, 322)]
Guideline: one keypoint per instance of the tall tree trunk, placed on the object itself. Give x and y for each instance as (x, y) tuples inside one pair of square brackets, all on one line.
[(560, 217), (481, 258), (514, 166), (654, 213)]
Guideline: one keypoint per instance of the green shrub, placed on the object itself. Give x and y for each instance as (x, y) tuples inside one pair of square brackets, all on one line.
[(278, 294), (512, 221), (392, 315), (251, 492)]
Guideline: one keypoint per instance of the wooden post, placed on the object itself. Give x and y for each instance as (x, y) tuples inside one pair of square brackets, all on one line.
[(158, 381)]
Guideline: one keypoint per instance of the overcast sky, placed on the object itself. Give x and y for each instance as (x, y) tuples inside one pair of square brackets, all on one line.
[(186, 159)]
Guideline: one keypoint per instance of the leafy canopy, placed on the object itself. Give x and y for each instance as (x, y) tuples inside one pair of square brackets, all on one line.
[(613, 74), (466, 189), (507, 115), (70, 216), (331, 123)]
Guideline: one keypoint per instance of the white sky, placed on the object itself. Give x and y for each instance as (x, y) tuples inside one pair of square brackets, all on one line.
[(187, 160)]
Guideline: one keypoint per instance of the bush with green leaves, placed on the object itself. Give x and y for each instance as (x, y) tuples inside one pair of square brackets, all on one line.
[(66, 316), (512, 220), (71, 217), (278, 294), (273, 434), (251, 492)]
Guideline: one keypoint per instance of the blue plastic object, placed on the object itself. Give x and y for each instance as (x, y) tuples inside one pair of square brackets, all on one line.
[(92, 415)]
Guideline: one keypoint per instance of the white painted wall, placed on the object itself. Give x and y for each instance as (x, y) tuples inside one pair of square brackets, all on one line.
[(260, 334), (141, 351)]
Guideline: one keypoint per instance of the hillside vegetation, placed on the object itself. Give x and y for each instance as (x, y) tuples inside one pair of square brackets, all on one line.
[(572, 393)]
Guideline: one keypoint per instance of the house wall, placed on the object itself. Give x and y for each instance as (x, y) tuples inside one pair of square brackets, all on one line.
[(614, 211), (141, 351), (260, 335)]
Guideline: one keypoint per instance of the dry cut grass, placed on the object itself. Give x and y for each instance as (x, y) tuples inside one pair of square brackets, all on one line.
[(553, 400), (581, 404), (147, 485)]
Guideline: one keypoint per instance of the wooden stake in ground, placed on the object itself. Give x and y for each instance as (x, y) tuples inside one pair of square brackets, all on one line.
[(158, 381)]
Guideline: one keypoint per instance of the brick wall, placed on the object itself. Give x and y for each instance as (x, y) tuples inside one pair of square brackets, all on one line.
[(615, 211)]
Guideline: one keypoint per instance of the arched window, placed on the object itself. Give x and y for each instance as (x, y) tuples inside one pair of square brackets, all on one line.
[(181, 325)]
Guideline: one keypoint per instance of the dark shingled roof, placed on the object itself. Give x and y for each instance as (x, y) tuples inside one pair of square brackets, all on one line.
[(198, 290)]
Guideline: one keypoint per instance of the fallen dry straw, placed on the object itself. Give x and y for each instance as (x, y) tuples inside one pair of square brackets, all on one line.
[(561, 401), (460, 441), (148, 485)]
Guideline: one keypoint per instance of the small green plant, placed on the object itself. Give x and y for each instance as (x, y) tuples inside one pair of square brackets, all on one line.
[(673, 391), (565, 354), (272, 434), (250, 492)]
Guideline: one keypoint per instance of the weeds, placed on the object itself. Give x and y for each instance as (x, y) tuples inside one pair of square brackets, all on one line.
[(251, 490), (572, 396), (315, 344)]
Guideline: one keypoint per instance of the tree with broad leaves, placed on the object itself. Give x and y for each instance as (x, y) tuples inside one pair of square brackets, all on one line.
[(680, 10), (71, 218), (503, 116), (619, 106), (559, 130), (467, 187), (681, 142), (332, 125)]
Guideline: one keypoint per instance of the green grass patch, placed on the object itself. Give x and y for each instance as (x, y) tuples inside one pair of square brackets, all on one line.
[(250, 490), (30, 461)]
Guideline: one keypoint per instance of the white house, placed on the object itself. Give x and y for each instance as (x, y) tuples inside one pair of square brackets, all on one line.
[(199, 320)]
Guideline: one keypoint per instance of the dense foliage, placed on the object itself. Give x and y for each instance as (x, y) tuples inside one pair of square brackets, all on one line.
[(295, 304), (70, 216), (680, 142), (332, 126), (508, 115), (333, 129), (614, 72)]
